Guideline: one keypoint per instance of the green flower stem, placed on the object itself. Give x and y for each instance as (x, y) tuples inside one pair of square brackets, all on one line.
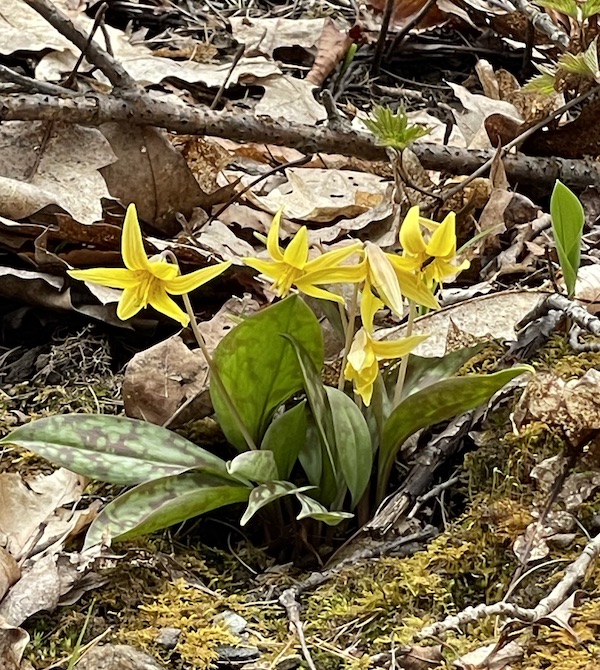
[(349, 334), (404, 362), (216, 377)]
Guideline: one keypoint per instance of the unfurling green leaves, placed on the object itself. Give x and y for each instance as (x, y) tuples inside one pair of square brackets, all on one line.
[(259, 369), (567, 224), (394, 130)]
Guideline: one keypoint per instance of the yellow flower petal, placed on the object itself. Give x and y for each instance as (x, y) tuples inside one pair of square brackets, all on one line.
[(335, 257), (443, 241), (193, 280), (296, 253), (273, 238), (161, 302), (321, 293), (163, 270), (351, 274), (111, 277), (411, 237), (129, 304), (383, 278), (396, 348), (413, 286), (132, 245)]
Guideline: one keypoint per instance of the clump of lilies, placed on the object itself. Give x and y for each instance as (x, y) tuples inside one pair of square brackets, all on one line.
[(427, 259)]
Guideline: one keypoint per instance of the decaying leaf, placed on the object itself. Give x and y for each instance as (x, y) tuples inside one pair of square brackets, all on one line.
[(43, 165), (289, 98)]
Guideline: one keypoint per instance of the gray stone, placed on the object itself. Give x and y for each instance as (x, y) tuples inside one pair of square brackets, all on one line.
[(168, 637)]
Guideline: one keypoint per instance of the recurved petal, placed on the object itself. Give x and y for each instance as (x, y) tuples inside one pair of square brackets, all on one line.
[(161, 302), (132, 245), (163, 270), (411, 237), (383, 278), (316, 292), (397, 348), (111, 277), (187, 283), (443, 241), (268, 268), (361, 355), (333, 258), (342, 274), (129, 304), (273, 237), (296, 253)]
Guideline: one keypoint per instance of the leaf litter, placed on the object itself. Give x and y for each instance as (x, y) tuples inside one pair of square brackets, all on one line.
[(63, 192)]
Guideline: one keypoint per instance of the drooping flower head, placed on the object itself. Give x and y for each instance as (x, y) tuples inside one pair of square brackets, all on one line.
[(362, 367), (147, 281)]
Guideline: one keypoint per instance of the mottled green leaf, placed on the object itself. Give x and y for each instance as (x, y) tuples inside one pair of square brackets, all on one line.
[(267, 493), (256, 466), (567, 224), (311, 454), (423, 371), (353, 446), (440, 402), (260, 369), (162, 503), (113, 449), (311, 509), (285, 437)]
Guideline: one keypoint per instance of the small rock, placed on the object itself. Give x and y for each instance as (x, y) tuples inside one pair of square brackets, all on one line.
[(116, 657), (229, 654), (233, 622), (168, 637)]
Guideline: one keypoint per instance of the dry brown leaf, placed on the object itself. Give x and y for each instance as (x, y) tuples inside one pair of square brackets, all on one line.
[(264, 35), (12, 645), (168, 383), (404, 11), (289, 99), (60, 169), (484, 317), (323, 195), (9, 571), (332, 47), (150, 172), (587, 288)]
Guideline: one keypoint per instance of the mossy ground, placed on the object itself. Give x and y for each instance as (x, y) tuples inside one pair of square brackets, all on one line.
[(174, 579)]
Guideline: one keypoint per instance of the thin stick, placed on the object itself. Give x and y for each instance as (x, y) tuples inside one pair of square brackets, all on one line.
[(349, 334), (236, 59), (404, 362), (383, 31), (216, 377), (96, 55)]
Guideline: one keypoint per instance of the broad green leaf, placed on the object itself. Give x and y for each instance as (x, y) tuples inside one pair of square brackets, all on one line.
[(590, 8), (260, 369), (311, 509), (329, 484), (113, 449), (267, 493), (256, 466), (567, 223), (285, 436), (162, 503), (311, 453), (424, 371), (440, 402), (353, 445)]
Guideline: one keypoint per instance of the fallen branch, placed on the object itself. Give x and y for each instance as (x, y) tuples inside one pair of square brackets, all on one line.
[(143, 109)]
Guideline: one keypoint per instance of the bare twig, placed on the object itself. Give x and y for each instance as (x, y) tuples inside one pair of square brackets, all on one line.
[(93, 109), (292, 607), (98, 20), (236, 59), (541, 21), (574, 575), (32, 85), (401, 35), (96, 55)]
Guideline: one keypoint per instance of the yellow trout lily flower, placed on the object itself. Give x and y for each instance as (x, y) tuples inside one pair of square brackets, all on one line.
[(433, 258), (147, 281), (291, 267), (365, 353)]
